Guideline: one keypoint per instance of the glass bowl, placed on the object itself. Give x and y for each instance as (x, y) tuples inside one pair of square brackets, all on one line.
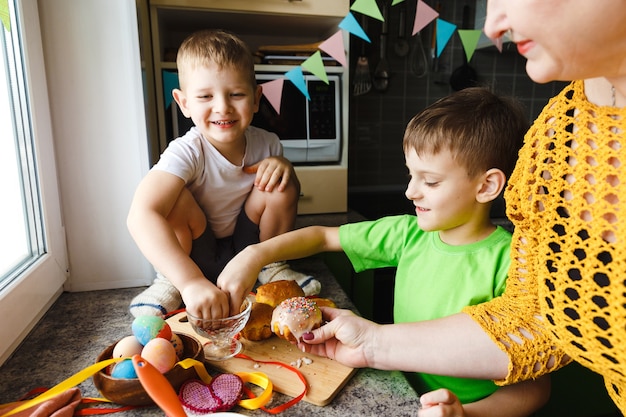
[(221, 333)]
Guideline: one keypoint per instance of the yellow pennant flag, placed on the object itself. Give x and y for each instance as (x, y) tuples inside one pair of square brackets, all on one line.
[(315, 66), (369, 8), (4, 14), (469, 39)]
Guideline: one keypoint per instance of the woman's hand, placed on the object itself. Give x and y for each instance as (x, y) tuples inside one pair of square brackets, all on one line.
[(346, 338)]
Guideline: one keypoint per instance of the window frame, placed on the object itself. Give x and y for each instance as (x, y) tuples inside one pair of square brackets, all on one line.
[(28, 296)]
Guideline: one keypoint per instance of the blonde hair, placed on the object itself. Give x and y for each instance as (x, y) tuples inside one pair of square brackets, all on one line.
[(479, 128), (217, 47)]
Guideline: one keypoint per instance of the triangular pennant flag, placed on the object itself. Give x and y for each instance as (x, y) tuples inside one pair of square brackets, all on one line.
[(469, 39), (297, 78), (170, 82), (333, 46), (273, 92), (369, 8), (396, 2), (424, 14), (4, 14), (315, 66), (349, 24), (445, 30)]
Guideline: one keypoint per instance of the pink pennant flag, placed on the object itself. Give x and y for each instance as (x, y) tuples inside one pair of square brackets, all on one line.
[(273, 91), (333, 46), (424, 14)]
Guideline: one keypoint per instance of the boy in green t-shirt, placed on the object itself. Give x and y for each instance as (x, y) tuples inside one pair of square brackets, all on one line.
[(459, 152)]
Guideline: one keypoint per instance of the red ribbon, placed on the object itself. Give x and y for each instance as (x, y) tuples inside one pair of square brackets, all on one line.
[(289, 403)]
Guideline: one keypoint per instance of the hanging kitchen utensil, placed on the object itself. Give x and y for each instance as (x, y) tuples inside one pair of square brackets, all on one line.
[(381, 73), (439, 69), (362, 77), (418, 62), (401, 47), (464, 76)]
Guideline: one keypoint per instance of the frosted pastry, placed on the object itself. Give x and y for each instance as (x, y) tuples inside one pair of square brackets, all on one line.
[(294, 317)]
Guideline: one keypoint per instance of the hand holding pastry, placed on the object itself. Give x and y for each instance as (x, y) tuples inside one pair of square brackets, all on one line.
[(346, 337)]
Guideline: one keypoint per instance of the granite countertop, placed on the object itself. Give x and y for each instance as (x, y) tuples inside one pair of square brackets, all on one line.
[(80, 325)]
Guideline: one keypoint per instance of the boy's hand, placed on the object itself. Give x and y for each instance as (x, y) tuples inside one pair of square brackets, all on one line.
[(237, 280), (204, 300), (271, 172), (440, 403)]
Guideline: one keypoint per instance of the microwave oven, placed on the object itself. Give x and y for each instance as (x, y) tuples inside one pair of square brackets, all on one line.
[(309, 130)]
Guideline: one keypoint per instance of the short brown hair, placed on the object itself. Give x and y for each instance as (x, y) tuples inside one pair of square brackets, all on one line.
[(214, 47), (480, 129)]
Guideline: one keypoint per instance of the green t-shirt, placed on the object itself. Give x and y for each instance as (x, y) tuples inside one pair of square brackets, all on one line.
[(433, 279)]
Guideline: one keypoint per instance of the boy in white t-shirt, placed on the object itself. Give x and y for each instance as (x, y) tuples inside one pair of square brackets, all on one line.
[(222, 186)]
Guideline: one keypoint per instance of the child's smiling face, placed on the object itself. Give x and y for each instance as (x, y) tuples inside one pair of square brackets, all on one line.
[(221, 102), (443, 193)]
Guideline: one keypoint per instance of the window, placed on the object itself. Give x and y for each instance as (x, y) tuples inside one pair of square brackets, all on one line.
[(21, 242), (33, 261)]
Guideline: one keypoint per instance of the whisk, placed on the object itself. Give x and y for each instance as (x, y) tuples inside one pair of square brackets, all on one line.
[(362, 75)]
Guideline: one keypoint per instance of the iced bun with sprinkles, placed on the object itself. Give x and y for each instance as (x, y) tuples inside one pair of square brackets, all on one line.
[(294, 317)]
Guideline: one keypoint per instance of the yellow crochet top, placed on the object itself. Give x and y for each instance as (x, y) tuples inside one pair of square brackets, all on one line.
[(566, 292)]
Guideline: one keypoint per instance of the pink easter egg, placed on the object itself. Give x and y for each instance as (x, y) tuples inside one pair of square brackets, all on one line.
[(160, 353)]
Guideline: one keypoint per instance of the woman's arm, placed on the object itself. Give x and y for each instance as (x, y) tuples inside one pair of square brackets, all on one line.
[(453, 345)]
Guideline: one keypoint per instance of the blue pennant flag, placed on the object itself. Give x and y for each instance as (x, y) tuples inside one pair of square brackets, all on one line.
[(297, 78)]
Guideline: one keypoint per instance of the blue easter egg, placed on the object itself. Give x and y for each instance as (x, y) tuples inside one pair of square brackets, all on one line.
[(124, 369), (146, 328)]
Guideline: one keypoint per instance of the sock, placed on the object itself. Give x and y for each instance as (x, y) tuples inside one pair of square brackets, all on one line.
[(157, 300), (278, 271)]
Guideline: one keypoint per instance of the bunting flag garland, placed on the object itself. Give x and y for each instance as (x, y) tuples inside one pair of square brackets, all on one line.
[(315, 65), (273, 91), (469, 39), (4, 15), (297, 78), (350, 25), (445, 30), (424, 14), (170, 82), (369, 8), (334, 45)]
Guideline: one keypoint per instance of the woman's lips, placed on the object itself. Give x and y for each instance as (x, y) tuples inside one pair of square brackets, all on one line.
[(524, 46)]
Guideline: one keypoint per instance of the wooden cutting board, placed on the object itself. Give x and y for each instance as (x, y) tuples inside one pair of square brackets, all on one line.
[(325, 377)]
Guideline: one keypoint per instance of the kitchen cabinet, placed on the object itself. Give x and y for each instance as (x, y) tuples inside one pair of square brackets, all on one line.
[(164, 24)]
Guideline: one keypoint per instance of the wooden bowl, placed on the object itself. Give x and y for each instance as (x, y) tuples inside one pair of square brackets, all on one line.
[(130, 391)]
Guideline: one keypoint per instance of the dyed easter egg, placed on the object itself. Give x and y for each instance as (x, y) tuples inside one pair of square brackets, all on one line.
[(124, 369), (160, 353), (177, 342), (127, 347), (146, 328)]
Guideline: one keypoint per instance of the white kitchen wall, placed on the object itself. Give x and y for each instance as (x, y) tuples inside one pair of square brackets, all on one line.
[(91, 51)]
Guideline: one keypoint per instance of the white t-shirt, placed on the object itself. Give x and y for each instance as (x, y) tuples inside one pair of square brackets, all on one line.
[(219, 187)]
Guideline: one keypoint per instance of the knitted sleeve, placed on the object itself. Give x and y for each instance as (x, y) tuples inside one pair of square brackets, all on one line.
[(514, 321)]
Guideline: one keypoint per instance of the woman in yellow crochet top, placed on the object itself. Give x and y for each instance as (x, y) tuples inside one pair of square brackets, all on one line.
[(566, 291)]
